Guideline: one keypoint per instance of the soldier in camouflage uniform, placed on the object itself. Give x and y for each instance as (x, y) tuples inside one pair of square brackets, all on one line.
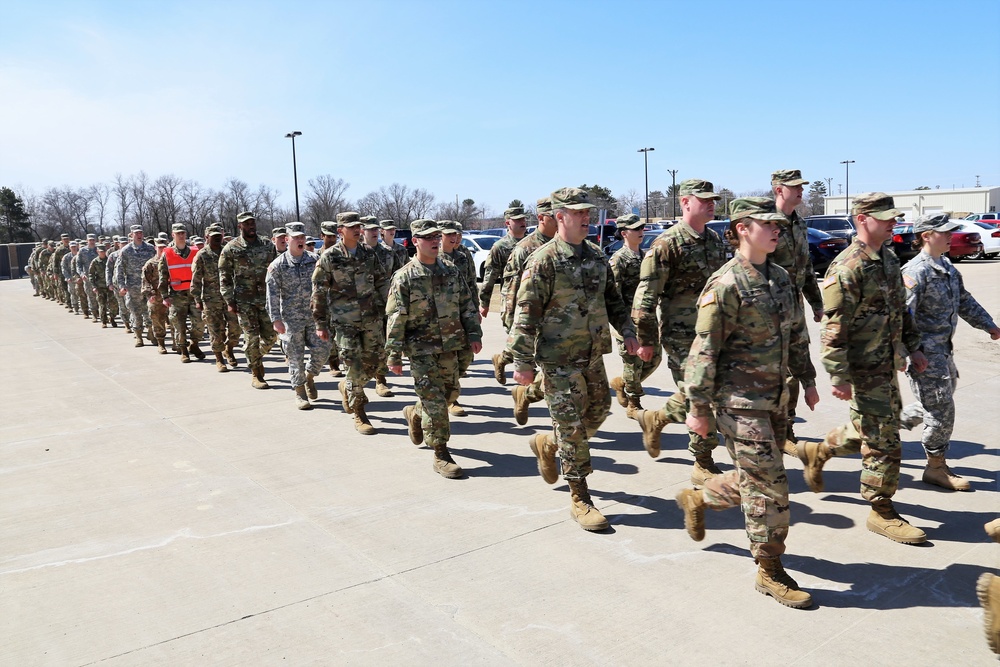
[(516, 223), (176, 268), (154, 299), (97, 273), (242, 271), (328, 229), (388, 232), (626, 264), (109, 276), (453, 251), (936, 296), (347, 292), (370, 232), (564, 304), (432, 317), (792, 254), (671, 277), (42, 268), (70, 276), (750, 335), (30, 265), (208, 299), (56, 269), (866, 334), (289, 290), (88, 254), (128, 280)]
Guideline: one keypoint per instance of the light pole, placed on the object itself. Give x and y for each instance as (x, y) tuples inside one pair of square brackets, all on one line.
[(673, 193), (295, 172), (847, 184), (645, 159)]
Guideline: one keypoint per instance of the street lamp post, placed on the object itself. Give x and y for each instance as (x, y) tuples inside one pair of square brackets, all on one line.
[(295, 171), (645, 158), (673, 193), (847, 184)]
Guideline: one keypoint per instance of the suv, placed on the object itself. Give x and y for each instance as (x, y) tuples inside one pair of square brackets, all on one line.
[(404, 237), (834, 225), (990, 218)]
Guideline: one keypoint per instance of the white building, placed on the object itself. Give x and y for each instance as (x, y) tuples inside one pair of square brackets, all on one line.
[(959, 202)]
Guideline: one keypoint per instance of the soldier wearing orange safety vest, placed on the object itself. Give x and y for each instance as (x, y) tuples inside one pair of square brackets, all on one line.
[(175, 288)]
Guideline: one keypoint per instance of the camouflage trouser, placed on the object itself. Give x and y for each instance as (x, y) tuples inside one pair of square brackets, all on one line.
[(361, 346), (758, 484), (433, 375), (874, 431), (88, 289), (216, 318), (294, 343), (935, 405), (82, 296), (158, 318), (182, 308), (579, 400), (635, 370), (138, 309), (465, 358), (792, 386), (258, 332), (383, 368), (676, 409), (104, 300), (122, 308), (34, 280)]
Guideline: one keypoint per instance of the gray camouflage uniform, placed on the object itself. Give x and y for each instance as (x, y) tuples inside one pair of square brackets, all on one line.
[(128, 275), (289, 289)]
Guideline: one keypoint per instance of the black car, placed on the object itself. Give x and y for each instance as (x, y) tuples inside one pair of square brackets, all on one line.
[(834, 225), (647, 240), (823, 248), (404, 237), (720, 227), (902, 242)]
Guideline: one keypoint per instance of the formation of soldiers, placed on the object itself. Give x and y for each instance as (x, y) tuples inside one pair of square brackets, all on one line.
[(733, 333)]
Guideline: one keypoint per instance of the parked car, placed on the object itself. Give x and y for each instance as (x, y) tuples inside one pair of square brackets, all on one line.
[(902, 241), (991, 218), (988, 235), (834, 225), (404, 237), (602, 235), (720, 227), (647, 240), (823, 248), (965, 244), (480, 245), (493, 231)]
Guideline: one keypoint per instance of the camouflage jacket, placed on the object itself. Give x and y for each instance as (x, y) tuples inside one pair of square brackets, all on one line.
[(564, 304), (128, 270), (289, 289), (512, 271), (462, 258), (109, 272), (867, 329), (347, 289), (792, 254), (243, 269), (83, 260), (430, 311), (97, 273), (399, 253), (32, 262), (68, 272), (56, 267), (205, 285), (936, 297), (387, 259), (495, 263), (672, 276), (43, 261), (749, 336), (151, 280)]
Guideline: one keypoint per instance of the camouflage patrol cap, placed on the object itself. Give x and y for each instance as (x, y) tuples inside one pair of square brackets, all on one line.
[(64, 236), (630, 221), (74, 243), (178, 228), (296, 229), (387, 224), (52, 242), (878, 205), (328, 228), (162, 235), (935, 222), (348, 219), (370, 222), (246, 215), (514, 213), (278, 231), (543, 206), (214, 229), (756, 208), (574, 199), (790, 177), (101, 247), (696, 187), (449, 226), (160, 242), (424, 227), (91, 236), (134, 228)]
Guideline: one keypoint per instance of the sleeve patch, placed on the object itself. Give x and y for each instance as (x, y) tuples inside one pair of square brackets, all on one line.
[(909, 281), (830, 280), (526, 274), (706, 299)]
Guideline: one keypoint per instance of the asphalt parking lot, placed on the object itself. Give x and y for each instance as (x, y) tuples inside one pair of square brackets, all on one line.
[(159, 513)]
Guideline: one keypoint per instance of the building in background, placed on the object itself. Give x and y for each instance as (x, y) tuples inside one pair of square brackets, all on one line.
[(960, 202)]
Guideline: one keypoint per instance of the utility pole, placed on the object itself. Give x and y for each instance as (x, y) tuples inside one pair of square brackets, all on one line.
[(295, 171), (645, 159), (847, 183), (673, 193)]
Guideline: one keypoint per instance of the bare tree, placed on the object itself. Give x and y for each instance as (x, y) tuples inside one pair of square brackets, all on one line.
[(165, 202), (465, 213), (139, 186), (630, 200), (325, 199), (397, 202), (122, 191), (100, 195), (196, 206)]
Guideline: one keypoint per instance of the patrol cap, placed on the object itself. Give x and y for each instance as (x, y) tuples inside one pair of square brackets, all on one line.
[(162, 235), (574, 199), (328, 227), (514, 213), (630, 221), (387, 224), (936, 222), (214, 229), (310, 240), (449, 226), (178, 228), (348, 219), (878, 205), (791, 177), (64, 236), (135, 228), (197, 239), (91, 236), (756, 208), (370, 222), (278, 231), (161, 242), (52, 242), (424, 227), (101, 247), (74, 243), (543, 206), (699, 188), (246, 215), (295, 229)]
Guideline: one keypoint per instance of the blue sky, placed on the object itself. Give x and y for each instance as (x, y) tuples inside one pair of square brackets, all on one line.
[(504, 99)]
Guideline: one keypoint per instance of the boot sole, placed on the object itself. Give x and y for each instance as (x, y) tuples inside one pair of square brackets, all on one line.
[(966, 487), (592, 528), (456, 474), (788, 603), (895, 538)]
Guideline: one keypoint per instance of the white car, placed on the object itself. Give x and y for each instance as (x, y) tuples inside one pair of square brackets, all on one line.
[(480, 246), (988, 234)]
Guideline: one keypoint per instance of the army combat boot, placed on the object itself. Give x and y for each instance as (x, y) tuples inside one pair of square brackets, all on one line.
[(813, 455), (885, 520), (444, 465), (138, 338), (521, 403), (618, 384), (993, 530), (692, 503), (545, 450), (361, 422), (195, 350), (220, 364), (988, 592), (499, 369), (381, 388), (185, 355), (257, 376), (651, 422), (413, 426), (301, 400), (774, 581), (344, 401), (160, 346), (230, 357), (938, 473), (311, 387), (634, 406), (335, 368), (790, 448), (704, 470), (582, 507), (456, 410)]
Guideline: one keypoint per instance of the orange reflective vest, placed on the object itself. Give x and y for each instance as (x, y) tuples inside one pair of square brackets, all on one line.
[(180, 268)]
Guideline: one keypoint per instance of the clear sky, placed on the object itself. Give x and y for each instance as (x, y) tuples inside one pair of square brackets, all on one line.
[(497, 100)]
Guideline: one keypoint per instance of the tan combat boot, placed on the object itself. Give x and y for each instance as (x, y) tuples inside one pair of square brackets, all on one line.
[(413, 426), (195, 350), (774, 581), (692, 503), (634, 406), (988, 592), (885, 520), (257, 375), (220, 364), (813, 455), (790, 448), (544, 449), (521, 403), (582, 507), (618, 384), (651, 422), (230, 357), (993, 530), (344, 402), (301, 400), (149, 335), (161, 346), (444, 465), (311, 387), (704, 470), (335, 368), (361, 422), (499, 369), (138, 338), (185, 356), (938, 473), (456, 410), (381, 388)]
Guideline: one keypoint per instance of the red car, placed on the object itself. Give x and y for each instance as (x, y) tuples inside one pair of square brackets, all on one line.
[(964, 244)]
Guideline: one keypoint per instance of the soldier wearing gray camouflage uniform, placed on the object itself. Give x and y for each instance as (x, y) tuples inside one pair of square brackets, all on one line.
[(289, 290), (672, 275), (88, 254), (750, 335), (128, 280), (564, 304), (223, 326), (432, 316), (937, 297), (109, 277)]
